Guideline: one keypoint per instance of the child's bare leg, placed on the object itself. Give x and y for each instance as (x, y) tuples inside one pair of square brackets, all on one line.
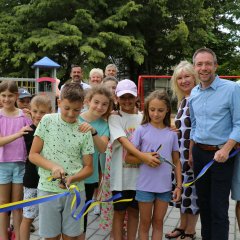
[(160, 209), (25, 228), (82, 236), (54, 238), (17, 195), (65, 237), (132, 225), (118, 219), (5, 197), (145, 209)]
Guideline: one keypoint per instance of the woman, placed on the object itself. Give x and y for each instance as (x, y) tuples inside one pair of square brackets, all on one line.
[(95, 77), (184, 79)]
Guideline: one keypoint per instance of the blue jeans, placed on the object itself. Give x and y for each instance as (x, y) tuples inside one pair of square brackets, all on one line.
[(213, 190)]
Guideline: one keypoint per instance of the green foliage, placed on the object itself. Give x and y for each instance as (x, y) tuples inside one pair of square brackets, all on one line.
[(146, 36)]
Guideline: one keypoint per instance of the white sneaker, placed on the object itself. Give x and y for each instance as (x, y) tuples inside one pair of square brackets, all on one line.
[(96, 210)]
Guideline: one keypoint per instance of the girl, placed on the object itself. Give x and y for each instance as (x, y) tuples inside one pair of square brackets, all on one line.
[(39, 106), (13, 125), (99, 107), (123, 175), (111, 82), (153, 188)]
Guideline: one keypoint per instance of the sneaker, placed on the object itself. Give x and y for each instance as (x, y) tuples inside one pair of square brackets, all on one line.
[(97, 210)]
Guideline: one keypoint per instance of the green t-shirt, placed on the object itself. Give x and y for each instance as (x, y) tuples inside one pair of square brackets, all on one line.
[(63, 144)]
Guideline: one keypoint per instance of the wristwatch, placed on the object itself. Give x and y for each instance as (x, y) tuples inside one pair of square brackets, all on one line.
[(94, 134)]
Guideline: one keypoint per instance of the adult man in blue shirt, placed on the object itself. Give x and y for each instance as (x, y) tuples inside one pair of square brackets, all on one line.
[(215, 117)]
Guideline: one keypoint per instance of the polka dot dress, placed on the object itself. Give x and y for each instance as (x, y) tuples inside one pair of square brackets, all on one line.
[(188, 202)]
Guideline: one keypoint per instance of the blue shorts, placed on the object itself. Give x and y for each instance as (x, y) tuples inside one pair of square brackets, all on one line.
[(143, 196), (11, 172)]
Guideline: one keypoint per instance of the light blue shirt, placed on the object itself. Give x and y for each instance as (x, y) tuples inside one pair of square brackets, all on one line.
[(215, 112), (103, 130)]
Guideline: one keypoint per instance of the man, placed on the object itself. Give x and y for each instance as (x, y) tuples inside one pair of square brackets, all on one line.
[(215, 117), (77, 75), (111, 70)]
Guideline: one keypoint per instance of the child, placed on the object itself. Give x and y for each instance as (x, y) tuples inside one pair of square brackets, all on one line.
[(24, 98), (111, 82), (99, 107), (40, 105), (23, 101), (13, 125), (123, 175), (153, 189), (64, 153)]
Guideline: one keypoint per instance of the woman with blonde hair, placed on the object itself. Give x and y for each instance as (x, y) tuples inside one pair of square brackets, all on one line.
[(95, 77), (183, 80)]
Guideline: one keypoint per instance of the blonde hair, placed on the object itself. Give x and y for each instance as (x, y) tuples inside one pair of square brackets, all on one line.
[(188, 67), (41, 100), (98, 71)]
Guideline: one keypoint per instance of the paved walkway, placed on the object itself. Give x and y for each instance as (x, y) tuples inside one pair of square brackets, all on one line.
[(170, 222)]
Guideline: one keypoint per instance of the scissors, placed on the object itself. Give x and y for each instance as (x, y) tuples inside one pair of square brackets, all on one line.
[(162, 159), (61, 180)]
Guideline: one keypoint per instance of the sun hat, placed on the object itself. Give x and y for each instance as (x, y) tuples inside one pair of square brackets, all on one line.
[(126, 86)]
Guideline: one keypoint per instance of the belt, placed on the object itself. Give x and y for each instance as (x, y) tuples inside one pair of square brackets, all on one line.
[(208, 147)]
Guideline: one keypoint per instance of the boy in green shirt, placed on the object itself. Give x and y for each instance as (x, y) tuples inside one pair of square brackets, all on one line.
[(63, 152)]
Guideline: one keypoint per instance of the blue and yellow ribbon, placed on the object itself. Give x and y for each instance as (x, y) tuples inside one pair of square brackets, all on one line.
[(74, 205), (206, 167), (92, 203), (32, 201)]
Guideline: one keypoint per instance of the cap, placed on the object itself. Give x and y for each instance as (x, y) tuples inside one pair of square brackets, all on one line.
[(23, 92), (126, 86)]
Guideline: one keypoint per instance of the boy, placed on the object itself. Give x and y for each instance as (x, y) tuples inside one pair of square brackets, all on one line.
[(23, 101), (24, 98), (40, 105), (61, 151)]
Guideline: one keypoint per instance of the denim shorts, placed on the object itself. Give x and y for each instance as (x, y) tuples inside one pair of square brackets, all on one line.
[(143, 196), (11, 172), (55, 217)]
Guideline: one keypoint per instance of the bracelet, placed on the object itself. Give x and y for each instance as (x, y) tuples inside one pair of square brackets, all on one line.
[(94, 134), (180, 188)]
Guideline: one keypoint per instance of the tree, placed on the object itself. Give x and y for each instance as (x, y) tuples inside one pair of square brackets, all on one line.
[(143, 37)]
